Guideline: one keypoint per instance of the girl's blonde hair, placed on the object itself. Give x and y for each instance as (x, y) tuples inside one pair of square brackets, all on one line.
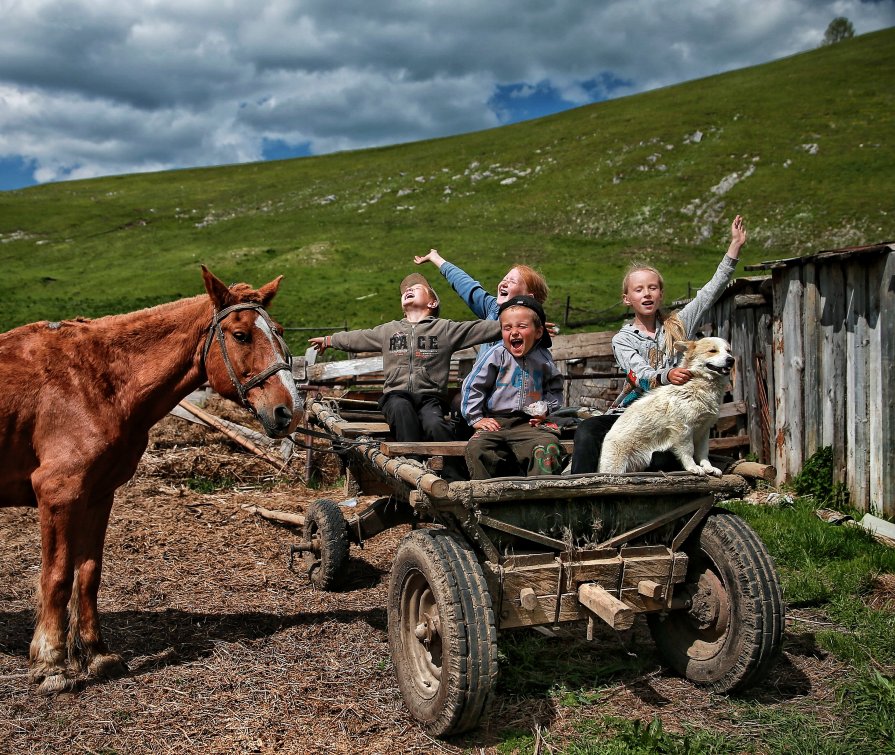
[(674, 328), (534, 282)]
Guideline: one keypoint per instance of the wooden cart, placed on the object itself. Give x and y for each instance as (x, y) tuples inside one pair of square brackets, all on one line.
[(491, 555)]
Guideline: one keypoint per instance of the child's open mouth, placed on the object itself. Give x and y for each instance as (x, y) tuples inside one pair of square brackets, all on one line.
[(516, 343)]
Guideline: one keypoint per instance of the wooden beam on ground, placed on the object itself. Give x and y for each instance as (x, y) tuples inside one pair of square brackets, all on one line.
[(235, 435), (283, 517)]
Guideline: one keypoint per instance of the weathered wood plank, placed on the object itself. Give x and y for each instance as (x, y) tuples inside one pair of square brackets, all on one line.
[(874, 370), (609, 608), (882, 484), (728, 444), (442, 448), (833, 367), (748, 320), (812, 336), (364, 428), (324, 372), (742, 301), (788, 371), (766, 369), (582, 346), (857, 472)]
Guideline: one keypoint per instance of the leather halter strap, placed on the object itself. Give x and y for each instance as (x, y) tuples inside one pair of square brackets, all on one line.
[(216, 332)]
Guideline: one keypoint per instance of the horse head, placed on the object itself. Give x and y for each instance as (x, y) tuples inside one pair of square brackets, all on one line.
[(245, 356)]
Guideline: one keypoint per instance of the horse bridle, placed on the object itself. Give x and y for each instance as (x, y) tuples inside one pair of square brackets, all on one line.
[(215, 331)]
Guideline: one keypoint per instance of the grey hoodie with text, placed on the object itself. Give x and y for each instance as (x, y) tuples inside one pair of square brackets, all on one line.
[(416, 356)]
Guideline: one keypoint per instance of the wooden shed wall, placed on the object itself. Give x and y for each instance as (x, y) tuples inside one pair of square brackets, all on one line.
[(833, 352)]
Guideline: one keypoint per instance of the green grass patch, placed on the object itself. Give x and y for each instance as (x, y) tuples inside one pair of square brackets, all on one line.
[(621, 736), (210, 484)]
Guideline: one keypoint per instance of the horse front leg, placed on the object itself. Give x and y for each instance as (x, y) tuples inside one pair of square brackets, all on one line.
[(85, 641), (48, 652)]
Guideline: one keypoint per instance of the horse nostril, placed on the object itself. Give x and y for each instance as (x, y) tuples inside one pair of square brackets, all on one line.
[(283, 415)]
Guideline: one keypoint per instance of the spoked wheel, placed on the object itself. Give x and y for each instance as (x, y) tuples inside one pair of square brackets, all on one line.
[(441, 631), (729, 636), (325, 531)]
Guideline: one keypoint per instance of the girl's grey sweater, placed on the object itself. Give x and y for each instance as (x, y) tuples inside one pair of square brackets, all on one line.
[(644, 357)]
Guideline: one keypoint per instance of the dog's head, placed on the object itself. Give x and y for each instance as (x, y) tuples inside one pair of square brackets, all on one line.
[(707, 355)]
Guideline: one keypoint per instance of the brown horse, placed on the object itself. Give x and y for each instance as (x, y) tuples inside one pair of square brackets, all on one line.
[(77, 403)]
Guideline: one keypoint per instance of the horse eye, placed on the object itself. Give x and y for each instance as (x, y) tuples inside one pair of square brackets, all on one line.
[(240, 337)]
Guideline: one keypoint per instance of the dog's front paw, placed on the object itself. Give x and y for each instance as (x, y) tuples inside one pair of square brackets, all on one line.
[(709, 469), (695, 469)]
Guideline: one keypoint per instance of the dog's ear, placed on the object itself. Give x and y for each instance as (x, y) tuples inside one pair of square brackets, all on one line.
[(682, 346)]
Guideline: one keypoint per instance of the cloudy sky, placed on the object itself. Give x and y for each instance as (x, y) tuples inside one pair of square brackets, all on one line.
[(102, 87)]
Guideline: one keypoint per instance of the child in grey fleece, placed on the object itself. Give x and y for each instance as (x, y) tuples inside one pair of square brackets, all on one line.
[(416, 358), (644, 348)]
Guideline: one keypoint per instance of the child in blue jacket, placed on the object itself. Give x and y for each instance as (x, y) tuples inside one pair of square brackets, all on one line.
[(507, 396)]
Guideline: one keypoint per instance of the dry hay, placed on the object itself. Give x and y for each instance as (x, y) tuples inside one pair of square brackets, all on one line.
[(882, 593), (231, 652)]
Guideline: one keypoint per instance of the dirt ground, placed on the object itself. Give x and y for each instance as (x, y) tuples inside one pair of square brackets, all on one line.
[(229, 651)]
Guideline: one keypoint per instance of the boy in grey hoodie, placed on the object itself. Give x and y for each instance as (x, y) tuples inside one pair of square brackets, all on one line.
[(506, 398), (416, 358)]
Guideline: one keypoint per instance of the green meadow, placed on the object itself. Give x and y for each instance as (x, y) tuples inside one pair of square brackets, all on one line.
[(802, 147)]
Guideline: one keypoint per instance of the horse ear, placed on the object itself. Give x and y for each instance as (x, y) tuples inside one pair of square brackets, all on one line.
[(269, 291), (217, 290)]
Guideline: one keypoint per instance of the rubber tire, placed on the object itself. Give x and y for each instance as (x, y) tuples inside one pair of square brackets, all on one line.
[(324, 522), (736, 648), (447, 685)]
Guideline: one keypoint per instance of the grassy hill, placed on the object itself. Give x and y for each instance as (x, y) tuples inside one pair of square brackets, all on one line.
[(802, 147)]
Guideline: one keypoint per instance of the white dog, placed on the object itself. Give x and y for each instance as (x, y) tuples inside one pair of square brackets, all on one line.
[(674, 418)]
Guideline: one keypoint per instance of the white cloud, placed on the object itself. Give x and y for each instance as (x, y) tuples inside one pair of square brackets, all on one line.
[(93, 87)]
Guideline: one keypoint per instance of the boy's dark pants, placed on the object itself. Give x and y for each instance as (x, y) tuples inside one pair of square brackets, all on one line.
[(516, 449), (414, 417)]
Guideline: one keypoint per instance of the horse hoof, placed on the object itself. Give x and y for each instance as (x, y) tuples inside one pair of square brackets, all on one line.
[(54, 684), (107, 666)]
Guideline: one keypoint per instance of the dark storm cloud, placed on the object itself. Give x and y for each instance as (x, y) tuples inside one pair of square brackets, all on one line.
[(92, 87)]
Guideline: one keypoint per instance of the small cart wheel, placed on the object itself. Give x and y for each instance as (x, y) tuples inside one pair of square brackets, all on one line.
[(441, 631), (732, 631), (325, 530)]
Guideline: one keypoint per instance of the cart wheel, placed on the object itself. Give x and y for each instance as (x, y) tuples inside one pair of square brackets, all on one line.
[(441, 631), (730, 635), (325, 529)]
